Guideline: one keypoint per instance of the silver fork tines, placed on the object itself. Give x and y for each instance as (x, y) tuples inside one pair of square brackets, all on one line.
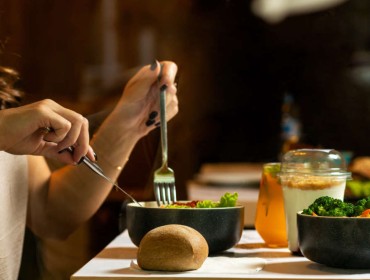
[(165, 192), (164, 177)]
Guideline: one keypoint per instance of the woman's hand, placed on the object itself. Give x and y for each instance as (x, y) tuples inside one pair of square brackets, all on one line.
[(113, 141), (45, 128), (139, 104)]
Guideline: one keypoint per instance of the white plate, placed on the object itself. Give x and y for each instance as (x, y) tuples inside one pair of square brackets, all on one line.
[(230, 173)]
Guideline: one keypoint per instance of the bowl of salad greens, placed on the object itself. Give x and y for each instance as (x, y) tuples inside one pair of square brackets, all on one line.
[(336, 233), (220, 222)]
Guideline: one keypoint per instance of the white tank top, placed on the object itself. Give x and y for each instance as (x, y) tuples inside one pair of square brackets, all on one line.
[(13, 208)]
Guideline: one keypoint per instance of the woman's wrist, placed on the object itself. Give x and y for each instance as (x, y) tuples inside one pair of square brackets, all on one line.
[(131, 120), (113, 147)]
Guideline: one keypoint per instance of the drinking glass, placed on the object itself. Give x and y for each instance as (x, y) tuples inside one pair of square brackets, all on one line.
[(270, 220)]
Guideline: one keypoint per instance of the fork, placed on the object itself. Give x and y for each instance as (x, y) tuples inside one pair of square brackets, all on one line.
[(164, 177)]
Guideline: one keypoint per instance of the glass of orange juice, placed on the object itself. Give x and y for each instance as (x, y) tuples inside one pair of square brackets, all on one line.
[(270, 217)]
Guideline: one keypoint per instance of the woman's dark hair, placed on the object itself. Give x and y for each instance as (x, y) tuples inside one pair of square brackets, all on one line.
[(9, 95)]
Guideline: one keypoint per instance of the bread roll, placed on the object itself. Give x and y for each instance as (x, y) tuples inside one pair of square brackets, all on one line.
[(172, 248)]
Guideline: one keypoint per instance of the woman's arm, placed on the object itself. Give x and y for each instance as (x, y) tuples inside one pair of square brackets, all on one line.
[(63, 199)]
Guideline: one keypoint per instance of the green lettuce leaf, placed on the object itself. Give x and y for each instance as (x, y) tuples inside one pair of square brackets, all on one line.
[(207, 204), (228, 200)]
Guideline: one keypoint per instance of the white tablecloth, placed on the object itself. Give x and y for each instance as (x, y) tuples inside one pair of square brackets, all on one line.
[(117, 261)]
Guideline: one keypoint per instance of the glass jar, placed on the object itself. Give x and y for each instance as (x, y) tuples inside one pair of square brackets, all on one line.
[(307, 174)]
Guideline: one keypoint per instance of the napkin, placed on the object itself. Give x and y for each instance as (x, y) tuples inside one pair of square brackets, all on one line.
[(222, 265), (232, 265)]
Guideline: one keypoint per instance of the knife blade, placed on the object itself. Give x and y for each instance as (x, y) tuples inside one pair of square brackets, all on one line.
[(99, 171)]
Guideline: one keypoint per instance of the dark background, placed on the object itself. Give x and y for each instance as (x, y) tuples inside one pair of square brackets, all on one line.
[(234, 69)]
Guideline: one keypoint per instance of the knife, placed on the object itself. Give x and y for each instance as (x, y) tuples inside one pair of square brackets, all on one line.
[(98, 170)]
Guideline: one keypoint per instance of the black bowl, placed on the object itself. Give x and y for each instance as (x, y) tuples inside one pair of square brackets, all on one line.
[(221, 227), (341, 242)]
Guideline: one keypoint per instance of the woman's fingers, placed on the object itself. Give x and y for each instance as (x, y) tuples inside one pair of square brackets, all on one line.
[(61, 128), (150, 77), (138, 86), (168, 73), (82, 143), (68, 129), (172, 108), (57, 129)]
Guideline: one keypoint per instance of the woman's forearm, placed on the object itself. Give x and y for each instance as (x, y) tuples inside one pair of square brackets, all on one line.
[(75, 193)]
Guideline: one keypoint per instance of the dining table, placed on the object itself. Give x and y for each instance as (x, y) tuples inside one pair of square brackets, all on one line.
[(250, 258)]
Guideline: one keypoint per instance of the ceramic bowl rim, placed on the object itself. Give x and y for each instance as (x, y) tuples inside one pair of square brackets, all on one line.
[(143, 203), (330, 217)]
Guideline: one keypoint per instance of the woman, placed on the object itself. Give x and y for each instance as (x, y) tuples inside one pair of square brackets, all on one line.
[(54, 204)]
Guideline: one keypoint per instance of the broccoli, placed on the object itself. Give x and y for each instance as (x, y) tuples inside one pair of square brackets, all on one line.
[(361, 205), (328, 206)]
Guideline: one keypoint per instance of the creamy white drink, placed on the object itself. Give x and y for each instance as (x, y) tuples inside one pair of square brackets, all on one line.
[(300, 191), (307, 174)]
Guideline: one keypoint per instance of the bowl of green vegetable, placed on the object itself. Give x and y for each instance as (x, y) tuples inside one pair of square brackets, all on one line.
[(221, 223), (336, 233)]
